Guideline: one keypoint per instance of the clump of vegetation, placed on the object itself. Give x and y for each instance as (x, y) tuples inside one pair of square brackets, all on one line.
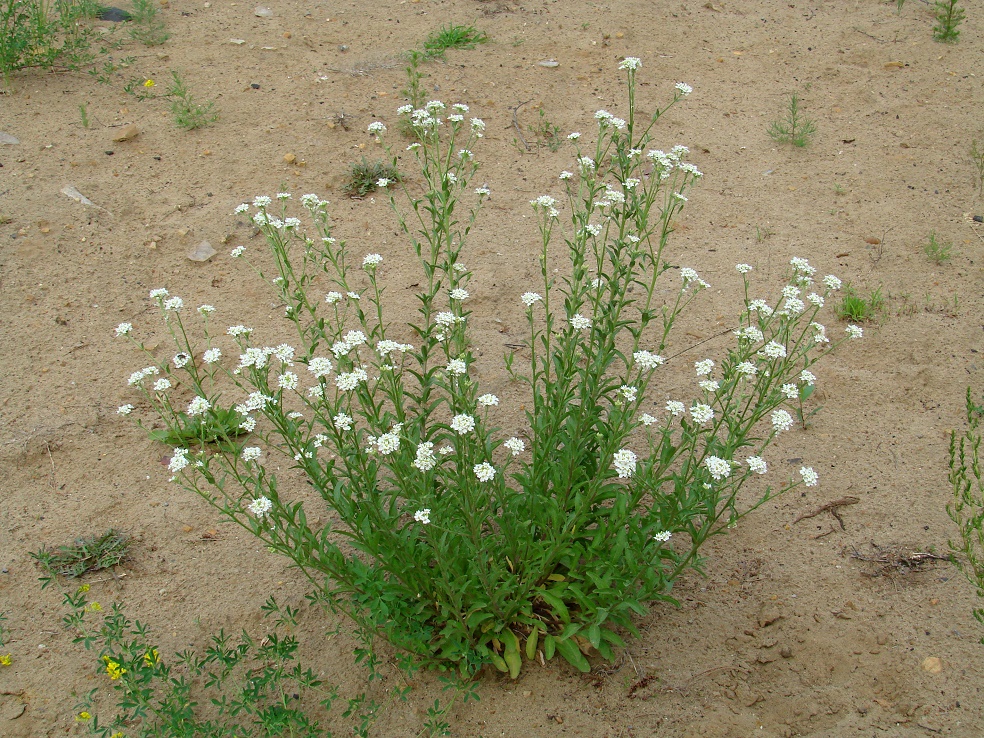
[(967, 509), (187, 113), (794, 128), (453, 37), (87, 554), (857, 308), (45, 35), (937, 250), (365, 177), (147, 27), (949, 16)]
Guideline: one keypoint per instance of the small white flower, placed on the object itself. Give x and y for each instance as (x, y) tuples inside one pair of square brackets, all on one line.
[(565, 175), (701, 413), (124, 329), (807, 378), (683, 88), (423, 516), (791, 391), (462, 424), (332, 297), (628, 392), (376, 127), (709, 385), (484, 471), (372, 260), (250, 453), (382, 183), (760, 306), (237, 252), (199, 406), (579, 322), (349, 381), (530, 298), (663, 536), (342, 421), (243, 208), (625, 463), (773, 350), (782, 420), (854, 331), (718, 467), (675, 408), (515, 445), (445, 319), (457, 367), (287, 381), (810, 478), (239, 330), (458, 294), (124, 409), (425, 460), (181, 359), (688, 275), (355, 338), (757, 464), (573, 136), (173, 303), (260, 507), (388, 443), (261, 201), (484, 191), (319, 366), (248, 425), (162, 385), (648, 360), (179, 460), (353, 295), (488, 400), (703, 368), (831, 282), (743, 268), (159, 294), (814, 299), (746, 368), (647, 419), (631, 63)]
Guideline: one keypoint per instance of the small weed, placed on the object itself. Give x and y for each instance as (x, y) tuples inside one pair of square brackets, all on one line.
[(364, 177), (453, 37), (948, 17), (859, 309), (215, 426), (839, 190), (546, 133), (187, 113), (84, 114), (763, 233), (977, 157), (104, 74), (85, 555), (898, 6), (937, 250), (517, 41), (146, 27), (794, 128), (140, 88)]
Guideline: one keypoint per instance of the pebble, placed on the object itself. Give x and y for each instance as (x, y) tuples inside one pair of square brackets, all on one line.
[(237, 41), (768, 614), (6, 138), (114, 15), (263, 12), (932, 664), (549, 63), (127, 133), (290, 158), (202, 252)]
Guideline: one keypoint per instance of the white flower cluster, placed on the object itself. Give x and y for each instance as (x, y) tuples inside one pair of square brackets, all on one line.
[(625, 463)]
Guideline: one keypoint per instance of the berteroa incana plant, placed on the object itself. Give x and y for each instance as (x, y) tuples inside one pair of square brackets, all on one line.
[(459, 544)]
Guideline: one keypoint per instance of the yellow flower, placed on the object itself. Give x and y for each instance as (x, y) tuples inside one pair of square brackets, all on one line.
[(6, 660), (83, 589), (118, 734), (94, 607), (150, 658), (113, 668), (82, 717), (149, 83)]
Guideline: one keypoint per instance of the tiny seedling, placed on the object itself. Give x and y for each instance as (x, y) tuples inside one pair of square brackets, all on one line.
[(364, 177), (857, 308), (794, 128), (839, 189), (187, 113), (84, 114), (977, 157), (86, 554), (146, 27), (948, 17), (453, 37), (898, 6), (763, 233), (546, 133), (938, 250)]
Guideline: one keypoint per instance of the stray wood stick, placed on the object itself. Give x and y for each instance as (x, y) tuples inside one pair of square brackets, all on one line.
[(832, 506)]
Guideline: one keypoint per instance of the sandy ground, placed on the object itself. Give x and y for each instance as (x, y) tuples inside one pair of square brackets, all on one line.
[(789, 633)]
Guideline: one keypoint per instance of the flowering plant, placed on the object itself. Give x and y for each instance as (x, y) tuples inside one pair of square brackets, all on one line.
[(457, 545)]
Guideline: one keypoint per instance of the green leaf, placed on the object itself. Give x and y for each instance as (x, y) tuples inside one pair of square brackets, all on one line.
[(557, 604), (569, 650), (549, 646), (531, 643)]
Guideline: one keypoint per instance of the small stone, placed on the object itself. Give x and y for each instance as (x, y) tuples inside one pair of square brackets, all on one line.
[(768, 614), (786, 652), (237, 41), (6, 138), (548, 63), (127, 133), (290, 158), (114, 15), (263, 12), (287, 34), (932, 664), (202, 252)]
